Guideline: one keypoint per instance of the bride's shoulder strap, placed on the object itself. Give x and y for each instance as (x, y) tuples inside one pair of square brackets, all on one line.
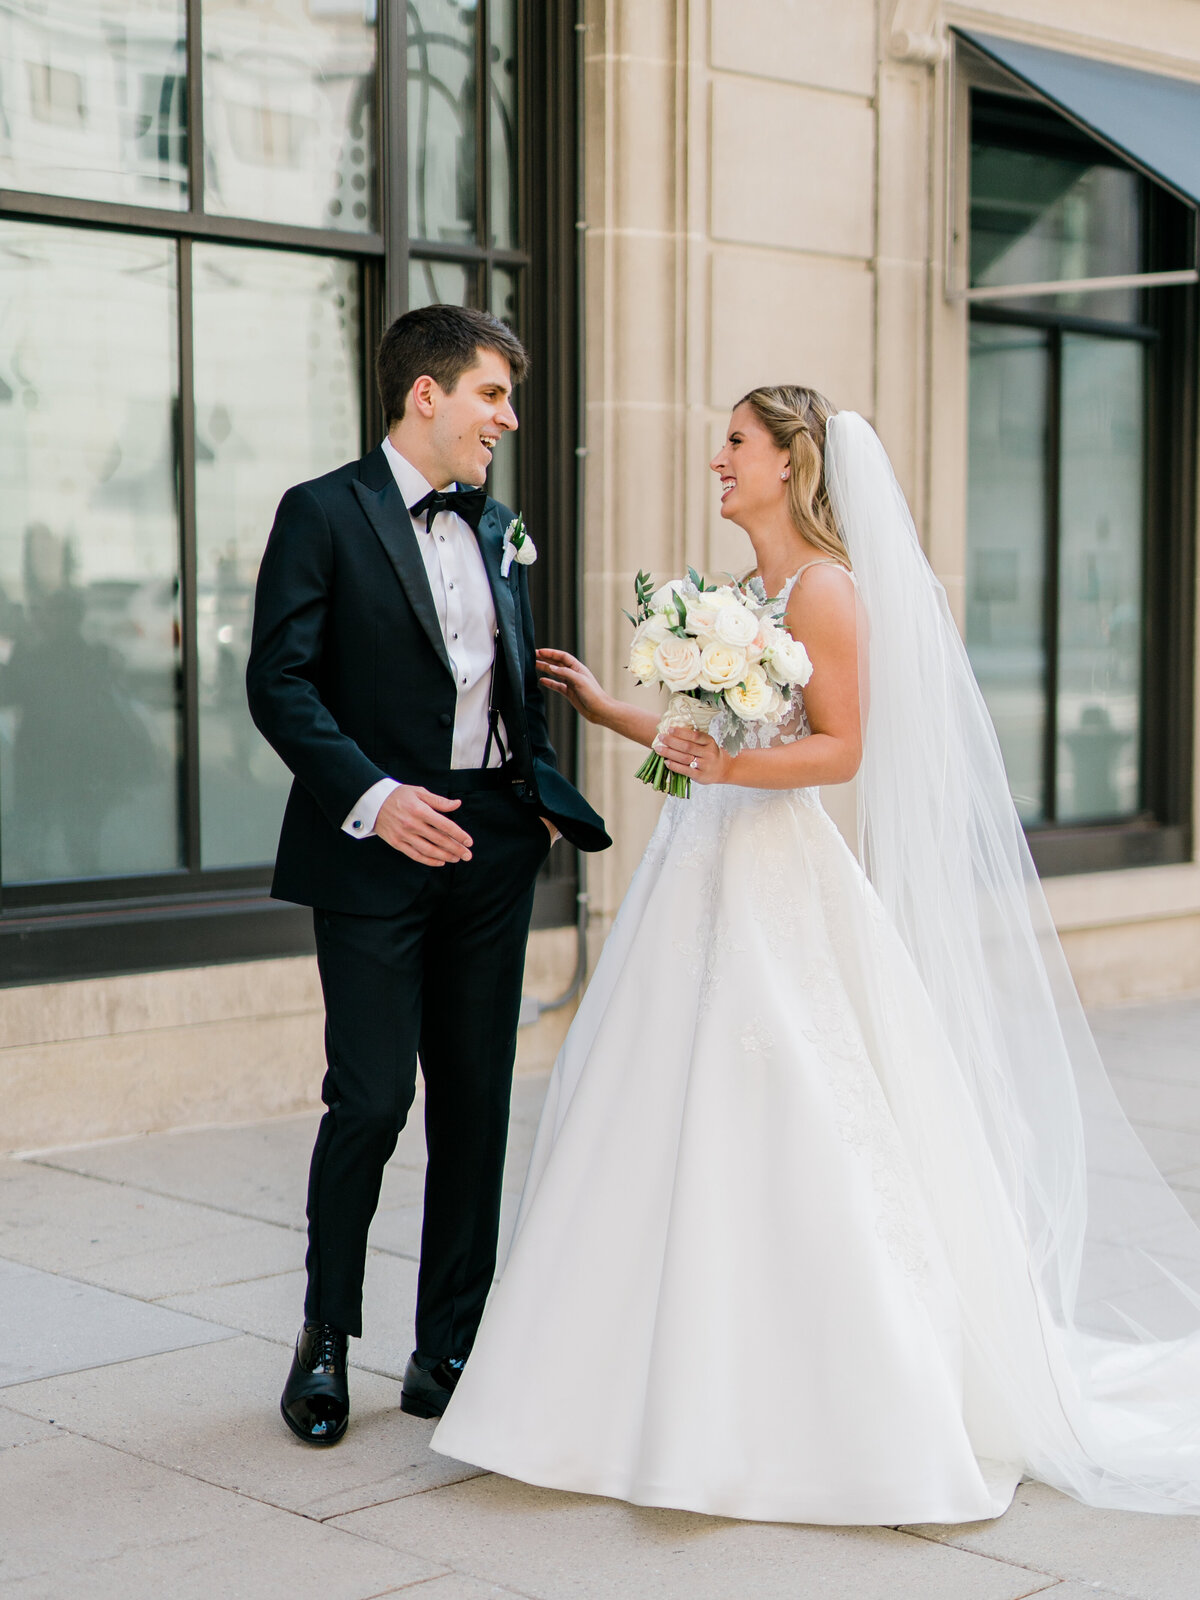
[(824, 561)]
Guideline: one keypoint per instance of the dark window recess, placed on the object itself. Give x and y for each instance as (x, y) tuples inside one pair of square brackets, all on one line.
[(1080, 515)]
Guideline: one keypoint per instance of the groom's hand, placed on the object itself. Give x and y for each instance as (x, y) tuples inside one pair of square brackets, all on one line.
[(412, 820)]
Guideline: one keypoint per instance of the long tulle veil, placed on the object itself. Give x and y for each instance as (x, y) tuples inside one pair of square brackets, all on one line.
[(1113, 1259)]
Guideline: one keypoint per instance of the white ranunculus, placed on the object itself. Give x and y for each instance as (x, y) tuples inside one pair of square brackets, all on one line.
[(755, 699), (641, 660), (737, 626), (719, 598), (678, 663), (788, 661), (721, 665)]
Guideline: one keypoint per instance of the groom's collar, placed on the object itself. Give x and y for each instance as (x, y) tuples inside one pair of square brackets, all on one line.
[(412, 484)]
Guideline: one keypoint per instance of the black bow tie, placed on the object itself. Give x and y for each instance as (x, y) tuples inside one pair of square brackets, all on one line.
[(467, 503)]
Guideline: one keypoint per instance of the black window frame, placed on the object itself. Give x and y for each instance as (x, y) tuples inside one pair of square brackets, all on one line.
[(1166, 325), (195, 916)]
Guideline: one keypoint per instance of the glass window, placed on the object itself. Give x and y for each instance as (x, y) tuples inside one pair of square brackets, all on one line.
[(442, 199), (90, 670), (277, 401), (502, 100), (93, 100), (1102, 518), (1043, 206), (1060, 530), (1008, 498), (444, 283), (289, 111)]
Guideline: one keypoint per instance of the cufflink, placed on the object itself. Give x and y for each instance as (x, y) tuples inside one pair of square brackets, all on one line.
[(357, 823)]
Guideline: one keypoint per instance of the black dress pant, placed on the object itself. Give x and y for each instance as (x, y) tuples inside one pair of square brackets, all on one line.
[(442, 978)]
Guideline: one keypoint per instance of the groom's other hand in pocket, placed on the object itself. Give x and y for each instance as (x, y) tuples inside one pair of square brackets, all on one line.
[(414, 821)]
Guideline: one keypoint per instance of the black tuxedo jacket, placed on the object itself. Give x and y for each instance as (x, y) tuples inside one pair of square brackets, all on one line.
[(349, 680)]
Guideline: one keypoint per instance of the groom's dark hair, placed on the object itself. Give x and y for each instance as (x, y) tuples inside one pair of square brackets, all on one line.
[(440, 342)]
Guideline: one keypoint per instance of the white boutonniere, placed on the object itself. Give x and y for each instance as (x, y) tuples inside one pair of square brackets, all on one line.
[(518, 546)]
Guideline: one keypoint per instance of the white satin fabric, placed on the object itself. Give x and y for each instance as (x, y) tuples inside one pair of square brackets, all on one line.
[(729, 1289)]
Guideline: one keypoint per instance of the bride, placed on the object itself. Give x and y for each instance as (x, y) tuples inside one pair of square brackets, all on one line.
[(832, 1215)]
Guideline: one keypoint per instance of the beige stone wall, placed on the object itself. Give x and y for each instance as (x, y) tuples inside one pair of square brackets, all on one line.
[(766, 201), (104, 1057)]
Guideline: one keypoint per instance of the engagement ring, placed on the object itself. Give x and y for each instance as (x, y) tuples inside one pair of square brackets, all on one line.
[(695, 762)]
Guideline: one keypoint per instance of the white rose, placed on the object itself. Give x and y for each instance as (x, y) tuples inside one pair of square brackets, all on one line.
[(685, 711), (526, 552), (655, 628), (641, 660), (664, 599), (736, 626), (755, 699), (720, 666), (787, 661), (678, 663), (702, 618)]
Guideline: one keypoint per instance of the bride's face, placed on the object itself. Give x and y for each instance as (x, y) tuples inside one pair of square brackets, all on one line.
[(752, 469)]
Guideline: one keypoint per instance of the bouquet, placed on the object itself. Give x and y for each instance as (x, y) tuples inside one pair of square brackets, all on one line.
[(724, 652)]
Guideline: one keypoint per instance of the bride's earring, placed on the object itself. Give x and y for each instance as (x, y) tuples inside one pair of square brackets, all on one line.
[(785, 474)]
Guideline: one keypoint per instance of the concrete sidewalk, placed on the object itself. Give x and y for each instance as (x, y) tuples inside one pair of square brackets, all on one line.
[(151, 1290)]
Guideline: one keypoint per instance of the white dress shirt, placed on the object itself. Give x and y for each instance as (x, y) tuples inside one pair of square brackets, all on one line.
[(462, 598)]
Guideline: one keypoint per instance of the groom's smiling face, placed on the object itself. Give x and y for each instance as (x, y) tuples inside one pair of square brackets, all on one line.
[(469, 421)]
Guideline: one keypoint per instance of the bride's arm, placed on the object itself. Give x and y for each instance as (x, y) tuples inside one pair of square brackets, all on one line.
[(822, 614), (565, 674)]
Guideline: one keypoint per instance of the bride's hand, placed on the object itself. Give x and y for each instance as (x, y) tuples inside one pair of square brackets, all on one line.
[(567, 675), (695, 755)]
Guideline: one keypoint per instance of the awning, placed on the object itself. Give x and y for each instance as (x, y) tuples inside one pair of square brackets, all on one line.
[(1153, 121)]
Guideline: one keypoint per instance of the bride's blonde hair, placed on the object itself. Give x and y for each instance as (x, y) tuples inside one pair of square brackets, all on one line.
[(795, 418)]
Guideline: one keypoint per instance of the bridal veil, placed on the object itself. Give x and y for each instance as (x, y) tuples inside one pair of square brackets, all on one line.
[(1101, 1367)]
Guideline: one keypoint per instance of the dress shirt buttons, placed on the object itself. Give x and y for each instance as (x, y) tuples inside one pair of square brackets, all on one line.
[(449, 586), (454, 636)]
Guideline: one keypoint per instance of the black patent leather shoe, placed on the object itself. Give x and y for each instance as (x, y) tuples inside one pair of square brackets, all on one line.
[(316, 1398), (426, 1391)]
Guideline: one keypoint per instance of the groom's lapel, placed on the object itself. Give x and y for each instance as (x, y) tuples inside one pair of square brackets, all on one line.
[(491, 546), (385, 510)]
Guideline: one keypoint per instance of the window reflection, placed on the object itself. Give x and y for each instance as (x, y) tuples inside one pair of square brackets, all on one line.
[(502, 479), (502, 104), (277, 402), (93, 100), (1007, 523), (90, 682), (1036, 218), (440, 283), (1100, 578), (442, 120), (289, 111)]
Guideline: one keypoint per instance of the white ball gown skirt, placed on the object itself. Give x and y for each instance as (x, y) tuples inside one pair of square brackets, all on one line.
[(762, 1266)]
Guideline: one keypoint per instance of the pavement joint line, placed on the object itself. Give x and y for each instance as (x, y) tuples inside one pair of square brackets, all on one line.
[(1020, 1566), (159, 1194), (6, 1390), (413, 1494), (242, 1494), (145, 1300)]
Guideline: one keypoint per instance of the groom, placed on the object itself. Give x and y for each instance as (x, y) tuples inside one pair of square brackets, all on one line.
[(392, 667)]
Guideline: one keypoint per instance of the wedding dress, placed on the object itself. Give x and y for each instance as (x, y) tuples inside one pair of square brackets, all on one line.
[(831, 1216)]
